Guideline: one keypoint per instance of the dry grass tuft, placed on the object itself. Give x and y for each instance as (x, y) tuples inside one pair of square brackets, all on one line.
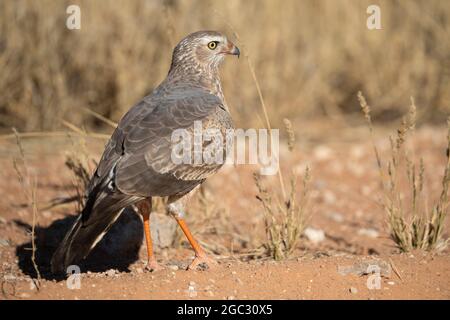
[(284, 219), (411, 225)]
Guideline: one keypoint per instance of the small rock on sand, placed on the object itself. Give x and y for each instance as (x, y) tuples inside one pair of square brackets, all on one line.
[(111, 272), (371, 233), (314, 235), (4, 243), (353, 290), (335, 216), (173, 267)]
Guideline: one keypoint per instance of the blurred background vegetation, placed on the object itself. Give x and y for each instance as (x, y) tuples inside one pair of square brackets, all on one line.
[(310, 57)]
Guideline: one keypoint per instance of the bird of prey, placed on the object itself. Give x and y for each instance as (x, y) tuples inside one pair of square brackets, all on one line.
[(136, 164)]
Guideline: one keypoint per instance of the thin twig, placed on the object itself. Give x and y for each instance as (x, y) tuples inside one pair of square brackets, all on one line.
[(100, 117)]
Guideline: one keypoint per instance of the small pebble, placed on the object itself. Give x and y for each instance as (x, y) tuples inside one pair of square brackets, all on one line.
[(110, 272), (4, 242), (353, 290), (322, 152), (173, 267), (335, 216), (314, 235), (371, 233)]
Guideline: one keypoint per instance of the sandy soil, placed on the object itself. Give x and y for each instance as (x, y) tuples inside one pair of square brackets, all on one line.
[(344, 204)]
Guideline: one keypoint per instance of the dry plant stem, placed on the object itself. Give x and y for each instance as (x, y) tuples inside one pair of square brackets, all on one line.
[(263, 106), (260, 95), (29, 187), (100, 117), (33, 227), (366, 110), (42, 134)]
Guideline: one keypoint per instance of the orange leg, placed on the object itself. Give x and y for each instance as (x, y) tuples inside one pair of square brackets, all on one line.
[(145, 208), (200, 255)]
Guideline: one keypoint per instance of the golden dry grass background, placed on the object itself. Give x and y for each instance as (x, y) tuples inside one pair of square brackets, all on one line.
[(311, 57)]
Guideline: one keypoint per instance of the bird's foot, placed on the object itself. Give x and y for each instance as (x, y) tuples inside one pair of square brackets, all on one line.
[(152, 266), (202, 262)]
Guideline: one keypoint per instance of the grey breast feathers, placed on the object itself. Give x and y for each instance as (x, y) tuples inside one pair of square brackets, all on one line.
[(141, 147)]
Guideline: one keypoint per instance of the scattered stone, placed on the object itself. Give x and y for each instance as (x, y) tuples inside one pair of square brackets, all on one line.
[(191, 289), (231, 298), (110, 272), (369, 232), (173, 267), (4, 242), (353, 290), (2, 220), (391, 283), (335, 216), (164, 229), (24, 295), (314, 235), (9, 277), (322, 152)]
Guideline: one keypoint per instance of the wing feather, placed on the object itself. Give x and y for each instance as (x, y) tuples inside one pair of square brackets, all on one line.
[(140, 148)]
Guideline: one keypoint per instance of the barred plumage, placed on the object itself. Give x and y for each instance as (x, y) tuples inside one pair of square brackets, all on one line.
[(136, 164)]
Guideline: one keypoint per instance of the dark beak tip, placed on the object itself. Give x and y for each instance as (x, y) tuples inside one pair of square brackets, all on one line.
[(237, 52)]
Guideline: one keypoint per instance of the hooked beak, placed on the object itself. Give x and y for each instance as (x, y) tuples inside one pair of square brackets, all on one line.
[(232, 49)]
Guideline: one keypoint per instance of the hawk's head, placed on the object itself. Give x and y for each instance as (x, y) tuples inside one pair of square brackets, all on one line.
[(204, 49)]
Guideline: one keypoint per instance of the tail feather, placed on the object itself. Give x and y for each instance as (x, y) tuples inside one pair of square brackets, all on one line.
[(101, 211)]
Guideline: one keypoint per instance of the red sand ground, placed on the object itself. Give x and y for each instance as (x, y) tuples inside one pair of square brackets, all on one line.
[(344, 203)]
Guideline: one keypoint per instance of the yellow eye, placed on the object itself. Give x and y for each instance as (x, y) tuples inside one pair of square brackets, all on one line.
[(212, 45)]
